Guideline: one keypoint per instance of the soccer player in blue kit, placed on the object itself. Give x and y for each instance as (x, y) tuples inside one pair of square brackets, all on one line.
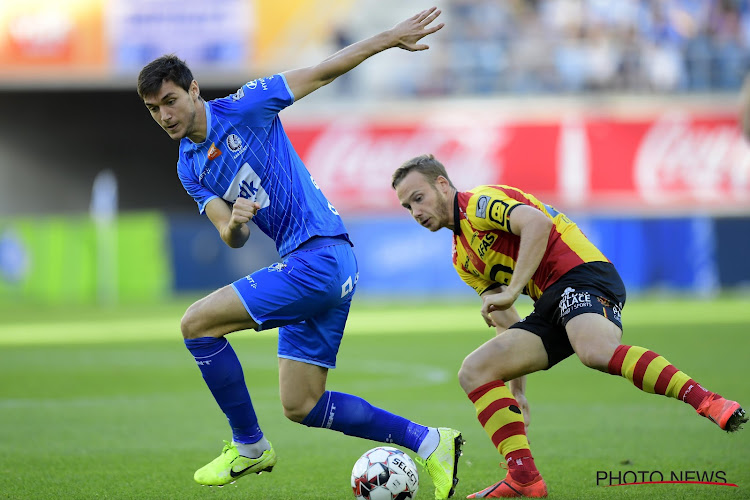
[(237, 163)]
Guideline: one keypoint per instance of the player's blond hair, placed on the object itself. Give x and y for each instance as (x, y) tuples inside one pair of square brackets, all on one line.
[(426, 165)]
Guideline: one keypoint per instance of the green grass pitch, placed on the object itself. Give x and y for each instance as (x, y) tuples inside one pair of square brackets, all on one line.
[(108, 404)]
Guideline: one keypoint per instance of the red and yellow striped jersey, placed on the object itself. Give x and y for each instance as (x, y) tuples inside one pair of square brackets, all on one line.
[(485, 250)]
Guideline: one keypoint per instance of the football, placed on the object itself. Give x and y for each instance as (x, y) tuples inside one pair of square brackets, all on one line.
[(384, 473)]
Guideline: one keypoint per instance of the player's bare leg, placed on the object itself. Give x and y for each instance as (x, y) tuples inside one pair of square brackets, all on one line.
[(215, 315), (511, 354), (300, 386), (596, 341)]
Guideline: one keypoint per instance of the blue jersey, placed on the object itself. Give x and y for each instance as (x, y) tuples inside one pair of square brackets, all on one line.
[(247, 154)]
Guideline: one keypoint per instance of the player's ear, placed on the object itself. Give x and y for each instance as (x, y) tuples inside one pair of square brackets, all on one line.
[(194, 90)]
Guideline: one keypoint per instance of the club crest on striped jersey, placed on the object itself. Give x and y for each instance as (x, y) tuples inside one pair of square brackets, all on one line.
[(234, 143), (246, 184)]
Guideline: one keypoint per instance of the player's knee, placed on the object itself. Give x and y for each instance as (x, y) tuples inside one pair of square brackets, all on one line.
[(470, 375), (295, 412), (189, 325), (465, 377), (597, 358)]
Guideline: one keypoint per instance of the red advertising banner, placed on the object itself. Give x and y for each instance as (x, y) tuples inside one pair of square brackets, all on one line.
[(42, 36), (669, 162)]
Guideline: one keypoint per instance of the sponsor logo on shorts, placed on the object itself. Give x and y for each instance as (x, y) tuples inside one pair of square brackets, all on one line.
[(277, 267), (616, 308), (571, 300), (251, 281)]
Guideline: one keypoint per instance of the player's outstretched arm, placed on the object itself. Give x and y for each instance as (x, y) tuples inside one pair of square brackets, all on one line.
[(404, 35), (231, 222)]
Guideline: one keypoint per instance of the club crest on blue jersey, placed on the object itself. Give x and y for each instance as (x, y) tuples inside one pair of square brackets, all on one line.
[(234, 143)]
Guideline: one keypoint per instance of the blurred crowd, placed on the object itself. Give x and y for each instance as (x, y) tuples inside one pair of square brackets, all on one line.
[(539, 46)]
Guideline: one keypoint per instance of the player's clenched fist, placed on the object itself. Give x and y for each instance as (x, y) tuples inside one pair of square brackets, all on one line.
[(242, 211)]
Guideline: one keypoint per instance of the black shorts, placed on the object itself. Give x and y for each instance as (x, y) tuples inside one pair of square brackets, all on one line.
[(593, 287)]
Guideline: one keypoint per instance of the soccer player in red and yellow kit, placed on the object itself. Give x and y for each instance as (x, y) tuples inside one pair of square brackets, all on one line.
[(505, 243)]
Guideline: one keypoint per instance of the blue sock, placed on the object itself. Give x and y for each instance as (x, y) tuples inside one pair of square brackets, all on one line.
[(356, 417), (223, 374)]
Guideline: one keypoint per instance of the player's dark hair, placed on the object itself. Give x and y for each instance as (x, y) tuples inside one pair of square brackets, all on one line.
[(168, 68), (426, 165)]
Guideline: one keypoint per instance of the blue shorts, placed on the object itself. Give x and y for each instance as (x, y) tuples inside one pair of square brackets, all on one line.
[(307, 295)]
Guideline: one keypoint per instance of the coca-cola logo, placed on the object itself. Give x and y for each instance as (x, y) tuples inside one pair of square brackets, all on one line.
[(682, 161), (353, 159)]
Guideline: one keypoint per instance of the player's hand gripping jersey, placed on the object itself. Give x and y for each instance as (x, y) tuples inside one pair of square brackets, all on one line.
[(247, 154), (485, 249)]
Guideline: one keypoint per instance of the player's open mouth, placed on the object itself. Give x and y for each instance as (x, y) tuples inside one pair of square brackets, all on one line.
[(172, 127)]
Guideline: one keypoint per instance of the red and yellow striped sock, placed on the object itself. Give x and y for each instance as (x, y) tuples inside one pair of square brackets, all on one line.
[(652, 373), (499, 414)]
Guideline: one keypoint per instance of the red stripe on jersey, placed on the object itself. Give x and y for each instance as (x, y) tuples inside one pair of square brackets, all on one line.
[(484, 389), (640, 367), (475, 259), (512, 193), (493, 408), (663, 381), (615, 364), (508, 430)]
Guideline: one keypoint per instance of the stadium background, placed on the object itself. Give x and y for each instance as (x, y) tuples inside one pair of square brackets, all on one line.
[(622, 114), (625, 118)]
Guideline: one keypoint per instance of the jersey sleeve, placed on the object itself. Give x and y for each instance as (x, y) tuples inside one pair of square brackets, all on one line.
[(257, 103), (200, 194), (489, 209)]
